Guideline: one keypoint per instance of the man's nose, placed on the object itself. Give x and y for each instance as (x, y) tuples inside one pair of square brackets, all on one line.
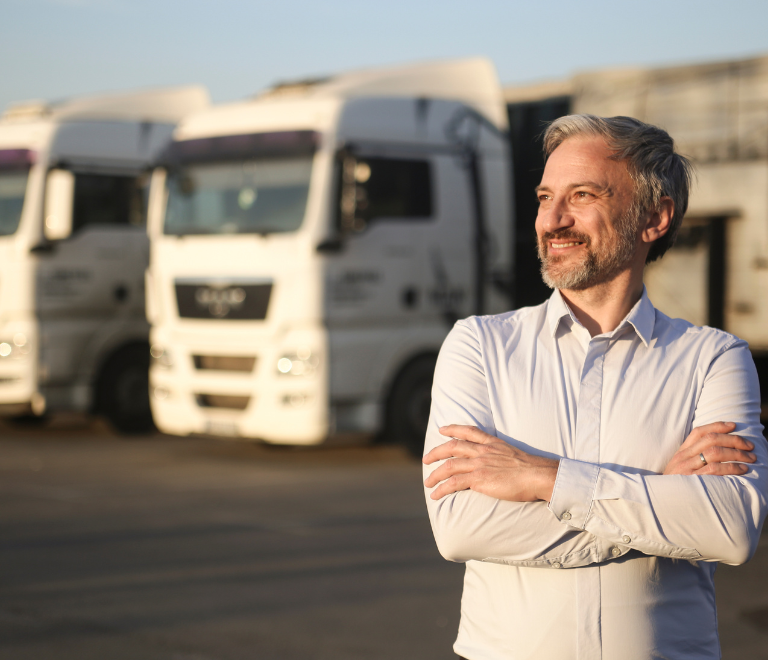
[(554, 216)]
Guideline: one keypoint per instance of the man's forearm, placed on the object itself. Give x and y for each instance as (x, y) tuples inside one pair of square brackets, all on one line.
[(713, 518), (481, 463)]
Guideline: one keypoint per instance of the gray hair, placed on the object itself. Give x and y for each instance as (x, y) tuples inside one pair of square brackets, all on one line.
[(656, 169)]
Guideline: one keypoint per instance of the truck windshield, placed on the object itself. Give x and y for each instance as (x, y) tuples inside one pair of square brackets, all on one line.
[(241, 197), (13, 185)]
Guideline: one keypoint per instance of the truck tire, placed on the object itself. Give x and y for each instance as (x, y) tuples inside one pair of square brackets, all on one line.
[(122, 391), (408, 405)]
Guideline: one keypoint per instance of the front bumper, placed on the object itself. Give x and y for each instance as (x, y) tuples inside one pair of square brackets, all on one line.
[(261, 404), (19, 381)]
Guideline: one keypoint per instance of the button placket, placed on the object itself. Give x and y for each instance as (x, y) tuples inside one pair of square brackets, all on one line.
[(587, 448), (587, 444)]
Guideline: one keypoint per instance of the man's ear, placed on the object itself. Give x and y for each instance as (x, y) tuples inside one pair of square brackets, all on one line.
[(659, 220)]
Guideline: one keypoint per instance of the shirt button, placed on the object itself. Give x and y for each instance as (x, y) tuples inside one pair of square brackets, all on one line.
[(615, 551), (557, 564), (566, 515), (626, 539)]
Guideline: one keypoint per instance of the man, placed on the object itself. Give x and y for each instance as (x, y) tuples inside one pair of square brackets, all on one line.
[(604, 456)]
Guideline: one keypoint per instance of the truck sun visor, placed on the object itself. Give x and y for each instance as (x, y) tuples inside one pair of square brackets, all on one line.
[(230, 147), (14, 159)]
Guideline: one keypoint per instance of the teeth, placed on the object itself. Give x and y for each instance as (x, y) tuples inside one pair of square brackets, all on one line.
[(562, 245)]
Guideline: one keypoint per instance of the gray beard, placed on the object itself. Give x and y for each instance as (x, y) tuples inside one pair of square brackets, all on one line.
[(595, 268)]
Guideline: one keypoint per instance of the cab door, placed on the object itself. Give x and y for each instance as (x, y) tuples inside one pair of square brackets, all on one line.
[(90, 285), (374, 292)]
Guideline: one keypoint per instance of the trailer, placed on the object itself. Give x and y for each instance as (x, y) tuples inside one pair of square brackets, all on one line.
[(73, 250)]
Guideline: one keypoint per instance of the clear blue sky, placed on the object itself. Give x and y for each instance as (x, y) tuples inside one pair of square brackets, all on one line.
[(56, 48)]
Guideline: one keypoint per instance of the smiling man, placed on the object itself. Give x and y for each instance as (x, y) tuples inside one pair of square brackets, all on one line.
[(591, 459)]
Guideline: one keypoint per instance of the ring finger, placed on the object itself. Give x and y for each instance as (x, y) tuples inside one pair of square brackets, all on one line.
[(714, 455)]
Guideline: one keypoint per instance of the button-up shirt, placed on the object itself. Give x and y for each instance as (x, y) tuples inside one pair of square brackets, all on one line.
[(620, 564)]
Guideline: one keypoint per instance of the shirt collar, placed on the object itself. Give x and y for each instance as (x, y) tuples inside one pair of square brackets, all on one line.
[(642, 317), (557, 310)]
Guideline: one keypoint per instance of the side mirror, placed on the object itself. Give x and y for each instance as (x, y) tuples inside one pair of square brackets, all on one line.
[(353, 202), (59, 203)]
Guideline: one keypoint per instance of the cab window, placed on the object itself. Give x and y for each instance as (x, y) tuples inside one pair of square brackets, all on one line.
[(108, 200), (393, 188)]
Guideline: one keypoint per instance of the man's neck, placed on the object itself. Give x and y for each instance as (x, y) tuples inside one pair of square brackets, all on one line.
[(601, 308)]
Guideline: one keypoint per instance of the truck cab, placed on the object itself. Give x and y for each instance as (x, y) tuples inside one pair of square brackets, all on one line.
[(312, 247), (73, 250)]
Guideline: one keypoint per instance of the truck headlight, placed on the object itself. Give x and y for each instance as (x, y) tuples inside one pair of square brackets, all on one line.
[(161, 358), (301, 363), (16, 347)]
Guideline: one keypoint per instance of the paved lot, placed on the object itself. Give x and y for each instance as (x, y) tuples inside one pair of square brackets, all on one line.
[(174, 549)]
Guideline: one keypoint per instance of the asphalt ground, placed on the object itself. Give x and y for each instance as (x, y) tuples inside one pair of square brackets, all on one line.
[(198, 549)]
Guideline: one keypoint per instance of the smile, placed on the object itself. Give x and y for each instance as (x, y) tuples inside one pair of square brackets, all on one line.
[(565, 245)]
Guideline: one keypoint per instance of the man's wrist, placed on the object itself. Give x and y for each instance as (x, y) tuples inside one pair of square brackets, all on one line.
[(546, 481)]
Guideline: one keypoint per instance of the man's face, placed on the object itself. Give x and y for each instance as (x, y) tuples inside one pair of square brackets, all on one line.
[(587, 227)]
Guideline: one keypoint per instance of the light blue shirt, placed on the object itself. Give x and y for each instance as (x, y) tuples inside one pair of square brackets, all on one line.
[(620, 564)]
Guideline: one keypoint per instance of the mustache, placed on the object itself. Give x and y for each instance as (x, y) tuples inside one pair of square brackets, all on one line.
[(564, 234)]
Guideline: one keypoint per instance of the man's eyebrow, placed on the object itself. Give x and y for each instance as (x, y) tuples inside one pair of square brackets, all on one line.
[(578, 184), (589, 184)]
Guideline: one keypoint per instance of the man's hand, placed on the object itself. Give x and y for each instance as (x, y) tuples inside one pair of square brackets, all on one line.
[(484, 463), (717, 446)]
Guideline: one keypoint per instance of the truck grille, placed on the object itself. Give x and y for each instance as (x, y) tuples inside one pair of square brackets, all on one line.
[(230, 401), (224, 363), (230, 300)]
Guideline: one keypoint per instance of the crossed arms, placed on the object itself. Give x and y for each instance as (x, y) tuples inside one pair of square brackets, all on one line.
[(488, 499)]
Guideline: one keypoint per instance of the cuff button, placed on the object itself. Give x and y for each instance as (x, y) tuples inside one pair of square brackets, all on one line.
[(615, 551), (566, 515), (626, 539), (557, 564)]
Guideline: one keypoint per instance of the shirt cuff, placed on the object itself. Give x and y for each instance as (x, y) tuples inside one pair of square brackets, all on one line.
[(574, 491)]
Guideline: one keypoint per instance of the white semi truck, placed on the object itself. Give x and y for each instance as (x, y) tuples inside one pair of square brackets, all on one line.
[(73, 251), (312, 247)]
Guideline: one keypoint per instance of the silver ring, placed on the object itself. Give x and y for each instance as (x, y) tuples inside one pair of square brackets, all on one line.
[(703, 460)]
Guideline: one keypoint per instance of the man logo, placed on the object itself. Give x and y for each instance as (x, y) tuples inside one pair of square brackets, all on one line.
[(223, 299), (220, 300)]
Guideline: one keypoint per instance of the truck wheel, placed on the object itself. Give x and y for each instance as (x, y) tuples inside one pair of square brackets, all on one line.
[(408, 405), (122, 392)]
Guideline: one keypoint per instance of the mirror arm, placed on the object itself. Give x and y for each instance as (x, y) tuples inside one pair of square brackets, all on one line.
[(43, 247), (332, 245)]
